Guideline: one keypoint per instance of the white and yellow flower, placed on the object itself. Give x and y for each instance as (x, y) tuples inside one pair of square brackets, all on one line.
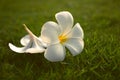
[(31, 43), (60, 35), (54, 38)]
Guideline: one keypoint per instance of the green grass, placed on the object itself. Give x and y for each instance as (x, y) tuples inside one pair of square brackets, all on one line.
[(100, 59)]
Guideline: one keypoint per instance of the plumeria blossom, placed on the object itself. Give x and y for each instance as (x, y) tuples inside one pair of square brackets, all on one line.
[(55, 37), (31, 44), (60, 35)]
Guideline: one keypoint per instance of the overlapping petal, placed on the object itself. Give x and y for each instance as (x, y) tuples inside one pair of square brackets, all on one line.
[(75, 45), (65, 21), (50, 32), (31, 43), (55, 53), (31, 47), (25, 40), (76, 32)]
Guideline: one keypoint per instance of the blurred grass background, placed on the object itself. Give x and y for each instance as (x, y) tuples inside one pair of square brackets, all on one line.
[(100, 59)]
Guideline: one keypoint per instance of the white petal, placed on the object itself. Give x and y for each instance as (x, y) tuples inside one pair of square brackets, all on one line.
[(35, 50), (77, 32), (31, 47), (25, 40), (55, 53), (65, 20), (49, 33), (35, 46), (44, 44), (75, 45), (17, 49)]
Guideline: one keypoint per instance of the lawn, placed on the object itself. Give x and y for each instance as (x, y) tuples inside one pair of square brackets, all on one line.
[(100, 59)]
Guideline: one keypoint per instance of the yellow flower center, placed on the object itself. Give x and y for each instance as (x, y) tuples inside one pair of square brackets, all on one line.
[(62, 38)]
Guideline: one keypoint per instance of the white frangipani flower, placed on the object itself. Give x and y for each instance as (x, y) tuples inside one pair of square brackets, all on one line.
[(31, 43), (61, 35)]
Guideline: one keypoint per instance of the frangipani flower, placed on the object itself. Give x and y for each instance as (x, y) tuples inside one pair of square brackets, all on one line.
[(54, 37), (61, 35), (31, 43)]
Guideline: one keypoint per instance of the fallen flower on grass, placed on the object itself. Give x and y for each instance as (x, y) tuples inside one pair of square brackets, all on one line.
[(61, 35), (55, 37)]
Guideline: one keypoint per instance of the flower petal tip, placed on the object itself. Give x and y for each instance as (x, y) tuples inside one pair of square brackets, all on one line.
[(15, 49)]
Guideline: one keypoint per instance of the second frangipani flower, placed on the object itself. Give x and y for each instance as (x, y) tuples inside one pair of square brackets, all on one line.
[(31, 43), (55, 37), (60, 35)]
